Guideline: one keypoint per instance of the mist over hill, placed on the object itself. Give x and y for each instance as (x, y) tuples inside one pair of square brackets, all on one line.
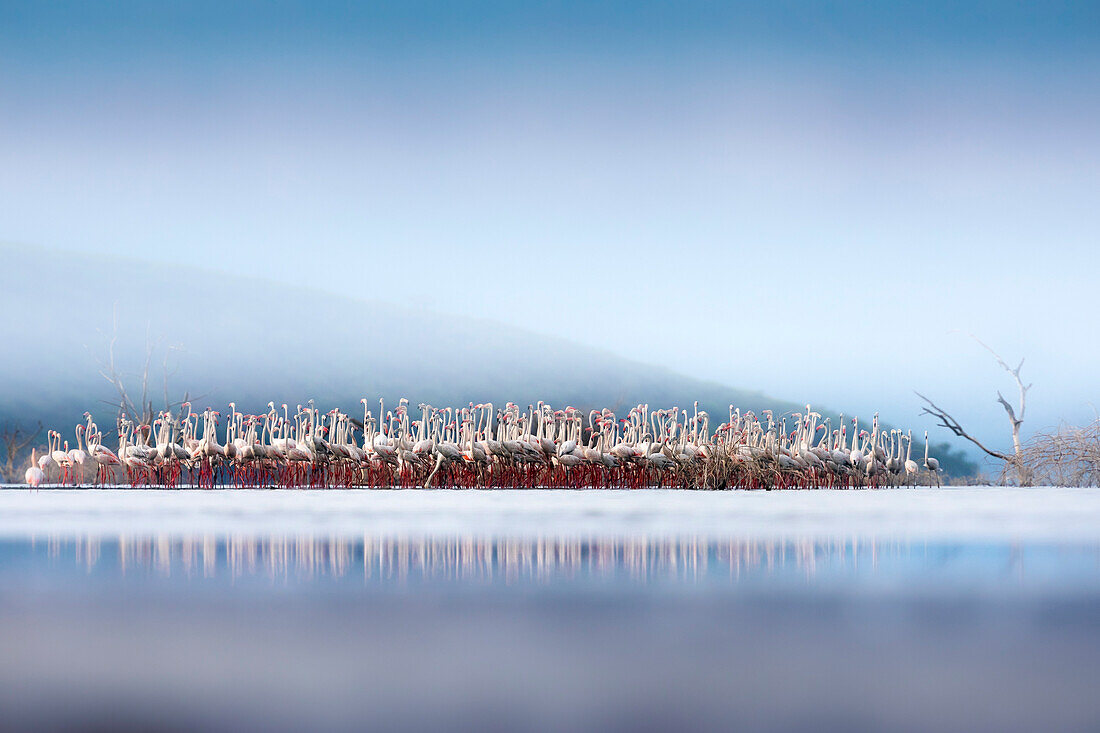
[(231, 337)]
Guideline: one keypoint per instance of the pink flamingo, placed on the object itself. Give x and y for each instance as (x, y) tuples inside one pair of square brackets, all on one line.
[(34, 475)]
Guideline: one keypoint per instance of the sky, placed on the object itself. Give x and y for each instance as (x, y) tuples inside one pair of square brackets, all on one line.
[(819, 200)]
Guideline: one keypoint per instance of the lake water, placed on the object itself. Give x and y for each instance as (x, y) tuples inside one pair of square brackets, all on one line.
[(952, 609)]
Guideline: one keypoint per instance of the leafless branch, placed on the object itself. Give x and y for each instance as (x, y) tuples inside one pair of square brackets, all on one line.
[(144, 410), (1015, 418), (109, 371), (16, 439), (947, 421), (146, 405), (168, 405)]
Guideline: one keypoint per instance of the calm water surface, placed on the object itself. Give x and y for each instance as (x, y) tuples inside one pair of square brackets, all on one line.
[(310, 564), (973, 609)]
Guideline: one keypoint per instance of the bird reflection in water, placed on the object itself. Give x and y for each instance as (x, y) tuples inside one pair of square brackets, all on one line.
[(467, 559)]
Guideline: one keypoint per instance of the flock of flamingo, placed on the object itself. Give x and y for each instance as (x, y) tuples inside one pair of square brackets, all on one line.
[(480, 446)]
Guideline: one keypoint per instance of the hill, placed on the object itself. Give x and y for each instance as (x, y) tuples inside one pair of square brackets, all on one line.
[(232, 337)]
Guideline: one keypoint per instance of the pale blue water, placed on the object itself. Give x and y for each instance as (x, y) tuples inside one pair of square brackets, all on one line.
[(310, 564), (908, 610)]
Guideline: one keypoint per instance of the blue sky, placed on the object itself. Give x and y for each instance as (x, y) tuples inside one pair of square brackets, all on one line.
[(814, 199)]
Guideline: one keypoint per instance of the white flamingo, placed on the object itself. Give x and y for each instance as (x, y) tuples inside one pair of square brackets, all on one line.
[(34, 475), (78, 455), (931, 464)]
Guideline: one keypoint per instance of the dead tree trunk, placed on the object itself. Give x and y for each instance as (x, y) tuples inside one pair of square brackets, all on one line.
[(1014, 461), (1015, 417)]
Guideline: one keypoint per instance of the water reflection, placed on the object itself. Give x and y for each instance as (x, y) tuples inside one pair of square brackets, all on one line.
[(385, 560)]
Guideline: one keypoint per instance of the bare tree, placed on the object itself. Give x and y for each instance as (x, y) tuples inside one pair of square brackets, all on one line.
[(16, 439), (108, 369), (1015, 460), (143, 410)]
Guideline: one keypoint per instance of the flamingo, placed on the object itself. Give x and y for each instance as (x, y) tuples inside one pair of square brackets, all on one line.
[(77, 455), (134, 457), (480, 444), (60, 457), (34, 475), (45, 460), (911, 467), (105, 459), (856, 456), (931, 464)]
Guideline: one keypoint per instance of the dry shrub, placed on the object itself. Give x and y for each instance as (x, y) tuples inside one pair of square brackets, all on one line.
[(1068, 456)]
